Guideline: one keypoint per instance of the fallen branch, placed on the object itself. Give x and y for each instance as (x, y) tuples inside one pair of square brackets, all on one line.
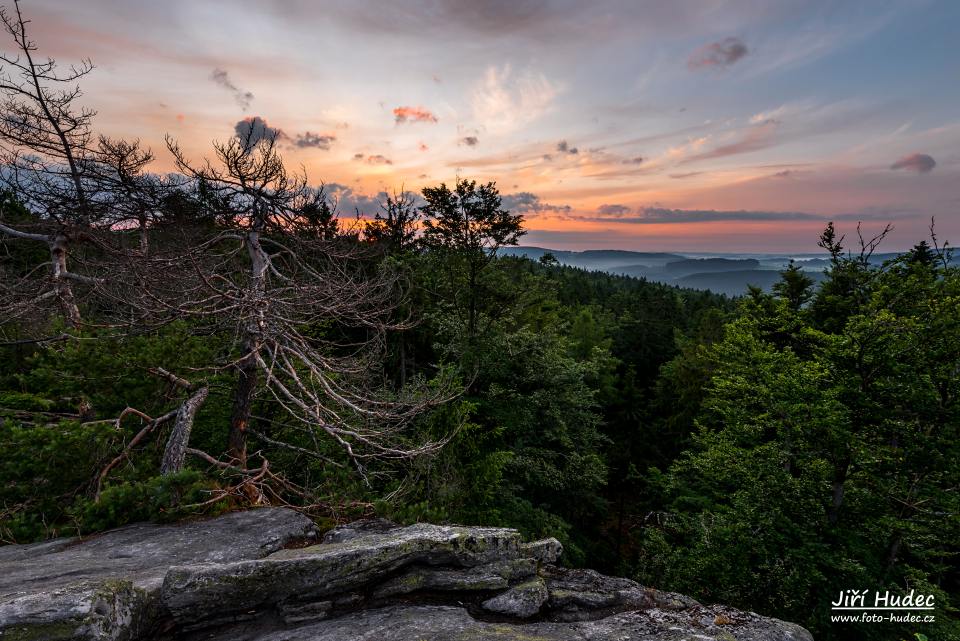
[(151, 424), (176, 449), (173, 378)]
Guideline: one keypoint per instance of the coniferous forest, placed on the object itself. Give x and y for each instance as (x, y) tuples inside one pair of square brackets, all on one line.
[(221, 337)]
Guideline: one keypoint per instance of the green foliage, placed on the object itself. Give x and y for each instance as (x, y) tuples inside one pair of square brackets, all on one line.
[(87, 373), (161, 498), (767, 452), (463, 229), (468, 218), (47, 487), (57, 424), (45, 468), (826, 450), (25, 401)]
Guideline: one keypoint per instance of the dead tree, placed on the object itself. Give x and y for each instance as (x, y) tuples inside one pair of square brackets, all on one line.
[(77, 194), (131, 196), (308, 312), (175, 451), (272, 279), (45, 152)]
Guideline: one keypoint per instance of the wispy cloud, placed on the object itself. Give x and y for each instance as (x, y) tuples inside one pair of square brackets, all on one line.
[(756, 137), (504, 101), (222, 78), (372, 159)]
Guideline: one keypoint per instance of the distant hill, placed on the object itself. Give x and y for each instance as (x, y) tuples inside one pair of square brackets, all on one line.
[(721, 273), (688, 266), (595, 259), (638, 271), (618, 257), (735, 283), (728, 274)]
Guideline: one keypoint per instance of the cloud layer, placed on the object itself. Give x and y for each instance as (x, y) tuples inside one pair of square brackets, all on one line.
[(661, 215)]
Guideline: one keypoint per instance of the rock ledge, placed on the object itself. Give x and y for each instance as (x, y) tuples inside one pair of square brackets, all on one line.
[(250, 576)]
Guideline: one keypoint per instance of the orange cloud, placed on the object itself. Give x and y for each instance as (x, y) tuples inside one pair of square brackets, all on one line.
[(413, 114)]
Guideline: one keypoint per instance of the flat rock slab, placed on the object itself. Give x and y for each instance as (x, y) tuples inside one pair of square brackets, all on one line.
[(194, 593), (93, 587), (260, 576), (495, 576), (441, 623)]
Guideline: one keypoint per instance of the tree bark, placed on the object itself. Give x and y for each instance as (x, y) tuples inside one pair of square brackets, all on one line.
[(839, 481), (176, 449), (247, 366), (144, 238), (403, 360), (68, 303), (242, 407)]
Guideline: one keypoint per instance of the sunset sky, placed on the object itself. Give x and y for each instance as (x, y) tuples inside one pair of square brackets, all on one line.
[(699, 126)]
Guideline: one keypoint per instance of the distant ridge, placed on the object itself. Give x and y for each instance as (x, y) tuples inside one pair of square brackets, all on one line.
[(729, 274), (593, 258), (720, 272)]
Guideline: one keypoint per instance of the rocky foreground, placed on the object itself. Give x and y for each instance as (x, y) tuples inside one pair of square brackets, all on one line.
[(265, 575)]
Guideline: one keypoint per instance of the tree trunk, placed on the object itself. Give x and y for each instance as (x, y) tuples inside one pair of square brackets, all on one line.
[(242, 407), (893, 550), (839, 481), (68, 303), (472, 310), (403, 360), (176, 449), (247, 366), (144, 239)]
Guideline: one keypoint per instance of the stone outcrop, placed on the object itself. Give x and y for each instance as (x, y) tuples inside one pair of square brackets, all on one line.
[(266, 575)]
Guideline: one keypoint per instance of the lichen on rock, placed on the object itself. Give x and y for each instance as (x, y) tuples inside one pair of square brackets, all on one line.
[(248, 576), (521, 601)]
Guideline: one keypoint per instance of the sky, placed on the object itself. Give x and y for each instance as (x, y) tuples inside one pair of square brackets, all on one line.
[(727, 126)]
